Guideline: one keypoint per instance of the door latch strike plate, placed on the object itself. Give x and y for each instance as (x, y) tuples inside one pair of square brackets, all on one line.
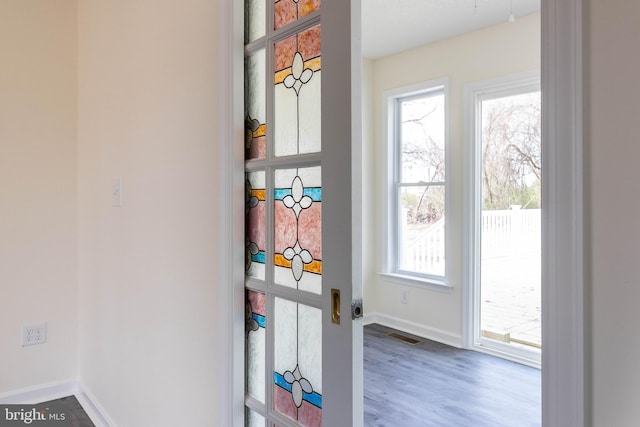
[(356, 309)]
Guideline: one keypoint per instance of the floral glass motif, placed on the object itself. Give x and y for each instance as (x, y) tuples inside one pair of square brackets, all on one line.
[(298, 361), (298, 229), (255, 226), (255, 324), (255, 106), (288, 11), (297, 92)]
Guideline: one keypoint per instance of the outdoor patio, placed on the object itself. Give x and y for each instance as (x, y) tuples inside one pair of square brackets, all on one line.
[(510, 271), (511, 276), (510, 298)]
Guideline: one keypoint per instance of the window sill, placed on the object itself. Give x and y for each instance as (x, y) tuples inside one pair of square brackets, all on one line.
[(420, 282)]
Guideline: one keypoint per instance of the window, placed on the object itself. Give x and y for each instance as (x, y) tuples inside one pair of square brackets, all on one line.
[(417, 185)]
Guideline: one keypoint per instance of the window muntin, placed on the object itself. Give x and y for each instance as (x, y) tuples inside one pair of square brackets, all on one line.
[(419, 184)]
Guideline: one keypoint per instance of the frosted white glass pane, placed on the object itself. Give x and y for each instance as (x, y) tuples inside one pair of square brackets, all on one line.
[(285, 128), (256, 336), (298, 134), (310, 283), (310, 115), (255, 85), (297, 93), (256, 365), (254, 19), (253, 419), (310, 345), (255, 105), (286, 335), (298, 349)]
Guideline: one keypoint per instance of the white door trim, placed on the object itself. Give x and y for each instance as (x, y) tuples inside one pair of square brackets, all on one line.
[(563, 342), (229, 319)]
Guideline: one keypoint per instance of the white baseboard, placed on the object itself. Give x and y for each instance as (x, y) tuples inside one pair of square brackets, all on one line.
[(57, 390), (39, 393), (93, 409), (414, 329)]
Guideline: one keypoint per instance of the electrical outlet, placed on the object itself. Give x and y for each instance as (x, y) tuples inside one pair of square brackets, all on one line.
[(34, 333), (404, 296)]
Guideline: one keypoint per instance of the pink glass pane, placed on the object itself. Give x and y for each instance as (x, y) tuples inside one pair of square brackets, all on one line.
[(288, 11), (297, 93), (298, 228)]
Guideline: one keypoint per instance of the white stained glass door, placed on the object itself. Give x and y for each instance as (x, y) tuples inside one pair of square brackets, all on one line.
[(299, 363)]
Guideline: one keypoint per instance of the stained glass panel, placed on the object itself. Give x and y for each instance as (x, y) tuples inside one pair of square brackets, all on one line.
[(287, 11), (298, 362), (255, 325), (298, 228), (297, 93), (255, 225), (255, 13), (255, 106)]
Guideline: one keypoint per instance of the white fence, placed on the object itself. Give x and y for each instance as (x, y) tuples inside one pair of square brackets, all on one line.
[(510, 232), (506, 232)]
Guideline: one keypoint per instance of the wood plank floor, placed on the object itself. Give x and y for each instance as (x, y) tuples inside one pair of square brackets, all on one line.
[(74, 414), (432, 385)]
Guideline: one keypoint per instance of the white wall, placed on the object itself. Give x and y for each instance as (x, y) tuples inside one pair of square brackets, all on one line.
[(38, 261), (147, 270), (494, 52), (611, 128)]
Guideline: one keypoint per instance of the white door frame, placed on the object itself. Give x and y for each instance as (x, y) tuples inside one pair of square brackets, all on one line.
[(474, 94), (230, 318), (563, 376), (563, 341)]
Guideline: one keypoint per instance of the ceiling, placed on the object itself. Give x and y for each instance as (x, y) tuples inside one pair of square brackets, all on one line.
[(391, 26)]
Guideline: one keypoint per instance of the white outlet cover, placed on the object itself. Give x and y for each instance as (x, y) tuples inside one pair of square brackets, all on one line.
[(404, 296), (33, 333)]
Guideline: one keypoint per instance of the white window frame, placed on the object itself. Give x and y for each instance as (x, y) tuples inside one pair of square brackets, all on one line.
[(390, 165)]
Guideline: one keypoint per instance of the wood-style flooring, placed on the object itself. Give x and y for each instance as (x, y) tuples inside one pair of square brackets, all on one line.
[(74, 414), (434, 385)]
